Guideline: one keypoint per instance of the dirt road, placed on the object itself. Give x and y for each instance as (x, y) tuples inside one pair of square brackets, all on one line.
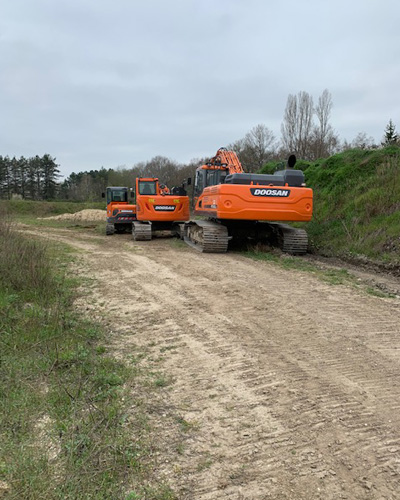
[(281, 385)]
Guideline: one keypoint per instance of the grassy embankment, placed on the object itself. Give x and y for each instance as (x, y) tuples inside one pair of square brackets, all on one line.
[(356, 204), (64, 428)]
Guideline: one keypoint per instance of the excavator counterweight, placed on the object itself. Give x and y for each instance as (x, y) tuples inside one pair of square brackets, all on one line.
[(158, 208)]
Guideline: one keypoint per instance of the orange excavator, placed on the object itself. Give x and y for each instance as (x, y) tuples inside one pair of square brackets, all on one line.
[(156, 209), (242, 206), (120, 213)]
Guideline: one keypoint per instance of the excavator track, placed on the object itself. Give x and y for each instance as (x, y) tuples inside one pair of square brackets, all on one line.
[(110, 230), (291, 240), (141, 231), (206, 236)]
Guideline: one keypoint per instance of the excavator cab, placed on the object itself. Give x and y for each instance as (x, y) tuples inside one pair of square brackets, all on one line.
[(207, 176), (117, 195)]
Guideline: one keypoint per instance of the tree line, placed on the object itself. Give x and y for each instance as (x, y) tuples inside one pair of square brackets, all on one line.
[(88, 186), (33, 178), (305, 131)]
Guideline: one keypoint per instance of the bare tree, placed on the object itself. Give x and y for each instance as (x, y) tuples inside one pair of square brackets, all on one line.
[(256, 148), (297, 124), (260, 144), (301, 135), (361, 141), (323, 111), (325, 142)]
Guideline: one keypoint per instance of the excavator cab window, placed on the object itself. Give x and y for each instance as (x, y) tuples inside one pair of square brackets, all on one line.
[(213, 177), (199, 182), (117, 195), (147, 187)]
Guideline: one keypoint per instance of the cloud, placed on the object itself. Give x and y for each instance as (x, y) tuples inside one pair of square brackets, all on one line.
[(108, 83)]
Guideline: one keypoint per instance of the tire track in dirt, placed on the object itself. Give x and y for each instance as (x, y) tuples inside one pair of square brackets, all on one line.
[(290, 385)]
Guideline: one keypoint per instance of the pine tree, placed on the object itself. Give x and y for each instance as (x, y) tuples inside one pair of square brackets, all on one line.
[(390, 138), (50, 173), (33, 178), (6, 187), (4, 177), (23, 171)]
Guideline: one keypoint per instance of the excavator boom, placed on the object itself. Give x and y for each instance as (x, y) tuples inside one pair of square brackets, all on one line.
[(225, 160)]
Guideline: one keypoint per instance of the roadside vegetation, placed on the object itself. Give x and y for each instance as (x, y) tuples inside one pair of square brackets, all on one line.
[(65, 431)]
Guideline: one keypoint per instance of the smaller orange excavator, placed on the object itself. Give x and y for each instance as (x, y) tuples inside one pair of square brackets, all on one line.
[(155, 209), (158, 208), (120, 213)]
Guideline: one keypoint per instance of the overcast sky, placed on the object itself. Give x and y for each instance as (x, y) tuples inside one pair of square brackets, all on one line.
[(113, 82)]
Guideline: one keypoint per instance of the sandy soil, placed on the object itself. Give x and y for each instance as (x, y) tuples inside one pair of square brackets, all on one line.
[(287, 387), (89, 214)]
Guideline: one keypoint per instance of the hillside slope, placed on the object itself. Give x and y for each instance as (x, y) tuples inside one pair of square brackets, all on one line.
[(356, 203)]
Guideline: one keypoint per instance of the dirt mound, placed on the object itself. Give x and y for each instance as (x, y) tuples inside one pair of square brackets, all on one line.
[(83, 215)]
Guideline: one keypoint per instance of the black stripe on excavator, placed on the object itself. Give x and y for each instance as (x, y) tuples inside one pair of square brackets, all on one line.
[(120, 218)]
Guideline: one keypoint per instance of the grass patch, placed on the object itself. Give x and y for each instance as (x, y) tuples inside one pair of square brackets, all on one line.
[(65, 430), (379, 293), (177, 244), (187, 426), (204, 464), (331, 276), (284, 261)]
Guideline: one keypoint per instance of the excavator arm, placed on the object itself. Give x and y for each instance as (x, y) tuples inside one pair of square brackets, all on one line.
[(226, 160)]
